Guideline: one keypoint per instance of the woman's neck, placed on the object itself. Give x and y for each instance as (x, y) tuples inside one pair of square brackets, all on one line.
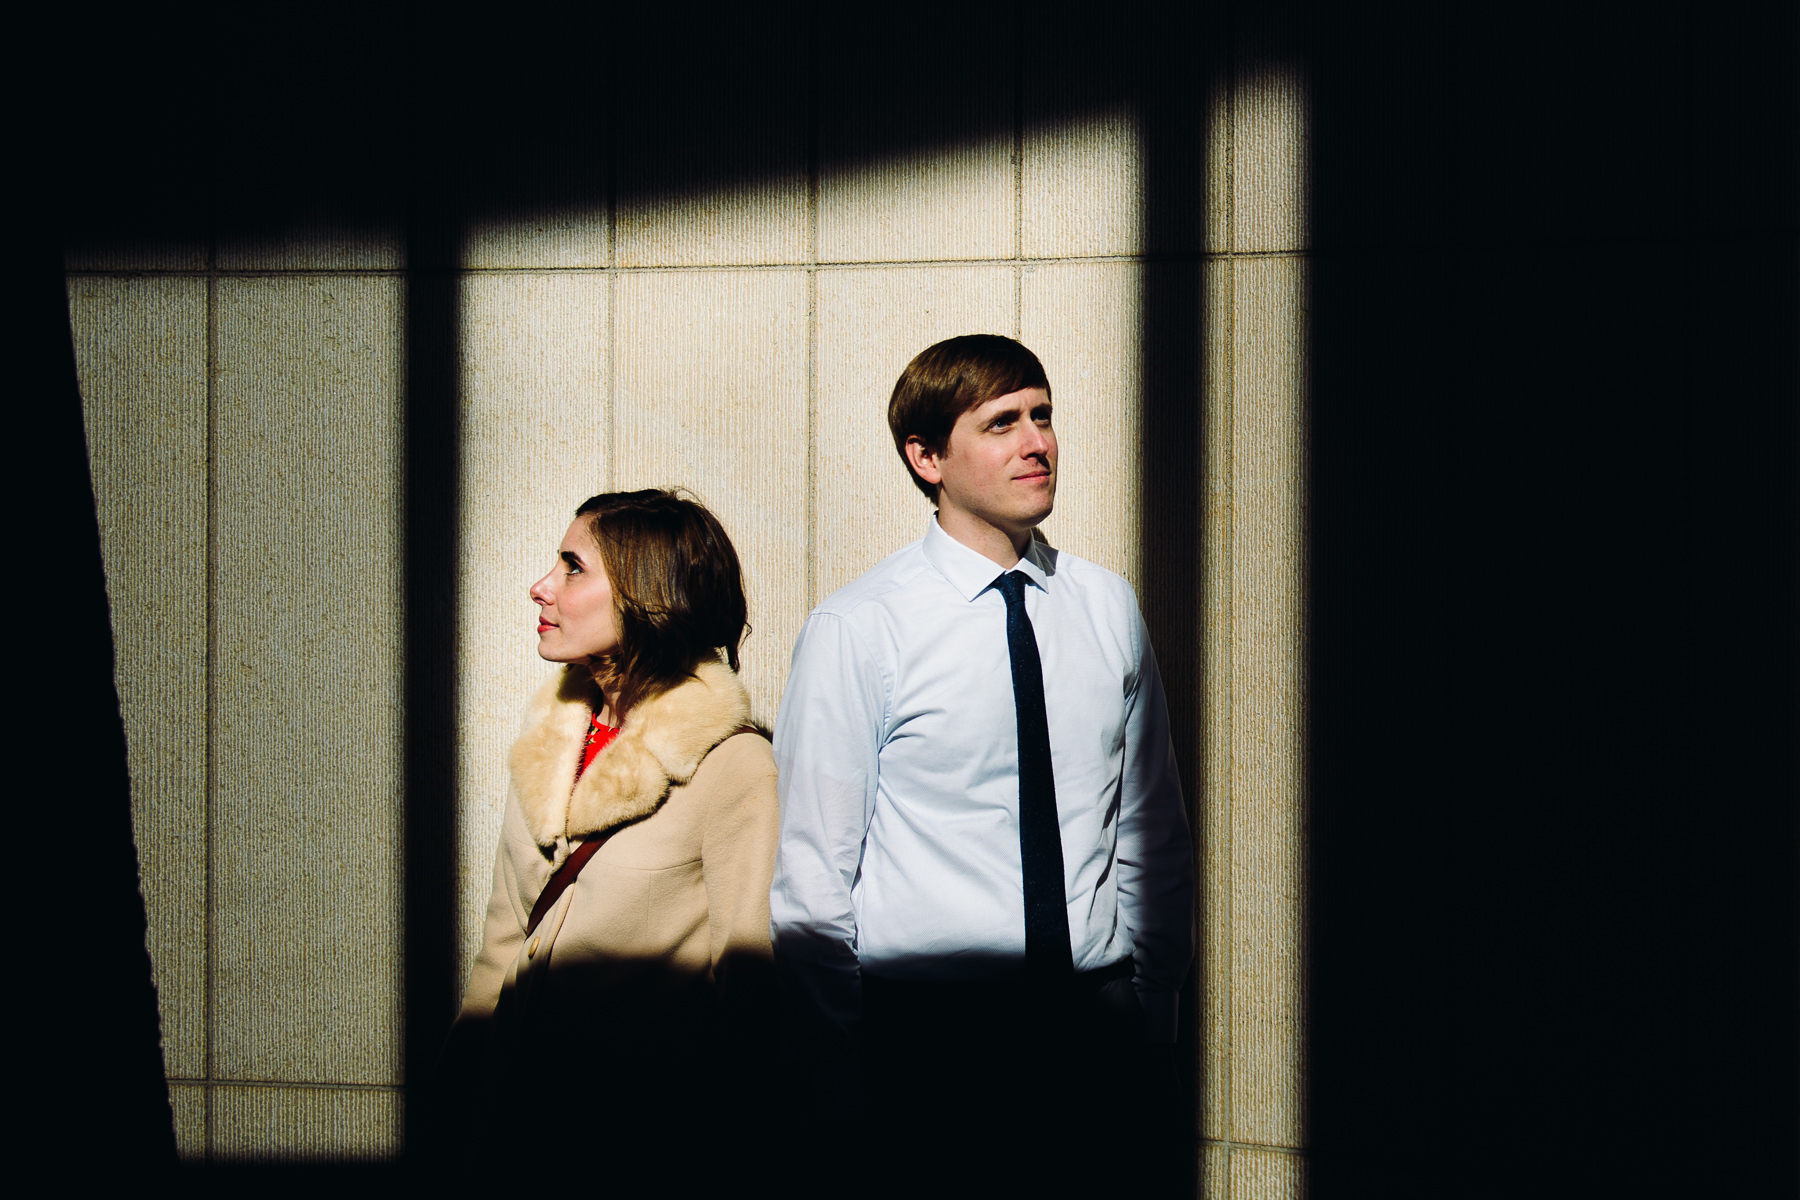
[(608, 708)]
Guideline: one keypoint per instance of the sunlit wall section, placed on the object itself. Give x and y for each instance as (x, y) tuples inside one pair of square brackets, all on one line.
[(725, 310), (1253, 807), (533, 372), (244, 413)]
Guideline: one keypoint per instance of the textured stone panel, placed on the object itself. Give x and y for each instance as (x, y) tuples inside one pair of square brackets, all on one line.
[(100, 251), (1268, 803), (548, 236), (1082, 320), (309, 243), (1215, 1172), (1270, 180), (711, 395), (1218, 135), (714, 184), (536, 431), (187, 1102), (309, 625), (1083, 187), (1266, 1175), (305, 1125), (871, 324), (140, 351), (1213, 826), (919, 172)]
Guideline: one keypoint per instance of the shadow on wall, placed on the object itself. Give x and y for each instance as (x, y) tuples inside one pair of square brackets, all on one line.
[(1552, 555), (463, 134)]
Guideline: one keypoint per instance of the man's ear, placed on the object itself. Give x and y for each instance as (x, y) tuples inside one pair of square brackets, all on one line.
[(924, 462)]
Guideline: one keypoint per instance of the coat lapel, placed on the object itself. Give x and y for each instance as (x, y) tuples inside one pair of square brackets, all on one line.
[(660, 745)]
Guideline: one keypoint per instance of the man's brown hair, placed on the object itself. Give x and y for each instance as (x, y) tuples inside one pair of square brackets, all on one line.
[(678, 590), (947, 380)]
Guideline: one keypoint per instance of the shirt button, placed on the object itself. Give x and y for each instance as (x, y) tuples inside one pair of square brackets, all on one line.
[(531, 950)]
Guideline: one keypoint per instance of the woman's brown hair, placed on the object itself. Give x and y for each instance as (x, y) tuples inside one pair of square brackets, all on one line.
[(677, 588)]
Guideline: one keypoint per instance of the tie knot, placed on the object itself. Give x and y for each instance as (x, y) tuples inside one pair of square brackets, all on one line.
[(1011, 584)]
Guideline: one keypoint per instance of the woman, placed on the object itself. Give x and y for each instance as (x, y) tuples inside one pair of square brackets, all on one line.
[(630, 913)]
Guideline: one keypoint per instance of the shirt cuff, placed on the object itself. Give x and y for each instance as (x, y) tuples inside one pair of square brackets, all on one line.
[(1162, 1012)]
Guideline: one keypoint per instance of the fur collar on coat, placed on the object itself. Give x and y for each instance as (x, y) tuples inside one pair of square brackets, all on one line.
[(660, 745)]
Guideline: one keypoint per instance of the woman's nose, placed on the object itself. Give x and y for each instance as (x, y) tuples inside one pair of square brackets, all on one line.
[(539, 592)]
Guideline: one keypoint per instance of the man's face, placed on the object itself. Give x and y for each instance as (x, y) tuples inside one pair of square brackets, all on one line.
[(999, 467)]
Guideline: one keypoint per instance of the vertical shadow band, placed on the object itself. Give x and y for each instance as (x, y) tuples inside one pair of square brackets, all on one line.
[(433, 510)]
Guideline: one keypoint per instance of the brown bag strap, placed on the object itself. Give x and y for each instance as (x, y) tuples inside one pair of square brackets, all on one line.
[(559, 882), (565, 874)]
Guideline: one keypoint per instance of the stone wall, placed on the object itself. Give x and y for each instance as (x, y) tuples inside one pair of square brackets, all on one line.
[(251, 400)]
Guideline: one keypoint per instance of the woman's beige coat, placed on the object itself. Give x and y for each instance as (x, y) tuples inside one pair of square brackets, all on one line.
[(668, 917)]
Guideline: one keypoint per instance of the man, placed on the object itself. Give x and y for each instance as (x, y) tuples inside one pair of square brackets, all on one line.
[(984, 881)]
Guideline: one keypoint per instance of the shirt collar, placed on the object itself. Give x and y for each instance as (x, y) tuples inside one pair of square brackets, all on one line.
[(972, 573)]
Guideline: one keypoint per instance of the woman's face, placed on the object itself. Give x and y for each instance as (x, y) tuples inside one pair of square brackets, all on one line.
[(576, 620)]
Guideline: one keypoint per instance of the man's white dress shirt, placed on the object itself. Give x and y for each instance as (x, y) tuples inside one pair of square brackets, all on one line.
[(897, 746)]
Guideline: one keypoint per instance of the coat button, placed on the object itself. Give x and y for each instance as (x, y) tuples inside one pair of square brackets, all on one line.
[(531, 950)]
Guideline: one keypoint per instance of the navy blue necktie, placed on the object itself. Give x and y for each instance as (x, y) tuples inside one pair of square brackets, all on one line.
[(1040, 834)]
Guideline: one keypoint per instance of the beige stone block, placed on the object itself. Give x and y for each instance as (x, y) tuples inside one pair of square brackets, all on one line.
[(872, 322), (1083, 322), (744, 224), (536, 429), (733, 193), (316, 244), (1218, 164), (566, 234), (1213, 826), (309, 625), (188, 1104), (1266, 1175), (917, 180), (1268, 800), (711, 395), (144, 252), (305, 1125), (1083, 183), (1271, 184), (1215, 1172), (140, 351)]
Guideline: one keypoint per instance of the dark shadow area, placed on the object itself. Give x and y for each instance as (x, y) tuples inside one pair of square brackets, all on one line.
[(1554, 646), (1552, 469), (84, 1025), (434, 507)]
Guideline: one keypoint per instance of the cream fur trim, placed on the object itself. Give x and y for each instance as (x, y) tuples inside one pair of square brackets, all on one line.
[(660, 745)]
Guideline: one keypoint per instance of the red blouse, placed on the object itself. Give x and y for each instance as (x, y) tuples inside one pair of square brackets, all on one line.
[(599, 737)]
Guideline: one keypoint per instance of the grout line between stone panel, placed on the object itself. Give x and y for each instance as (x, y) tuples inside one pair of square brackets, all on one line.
[(1194, 256), (291, 1084), (1228, 1145), (812, 333), (1228, 427), (209, 932), (1018, 166), (611, 465)]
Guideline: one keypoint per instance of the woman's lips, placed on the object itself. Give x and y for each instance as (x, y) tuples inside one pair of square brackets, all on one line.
[(543, 625)]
